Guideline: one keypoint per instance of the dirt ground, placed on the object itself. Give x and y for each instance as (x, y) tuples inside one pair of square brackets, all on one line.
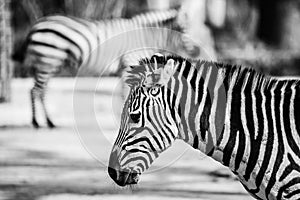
[(70, 162)]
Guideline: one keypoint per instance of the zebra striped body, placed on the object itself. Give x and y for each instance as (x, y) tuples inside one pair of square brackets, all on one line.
[(60, 41), (247, 121)]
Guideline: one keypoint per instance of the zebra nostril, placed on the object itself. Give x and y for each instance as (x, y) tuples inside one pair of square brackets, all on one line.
[(121, 177), (113, 173)]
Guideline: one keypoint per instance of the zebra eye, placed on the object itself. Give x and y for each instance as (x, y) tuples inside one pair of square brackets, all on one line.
[(154, 91), (135, 117)]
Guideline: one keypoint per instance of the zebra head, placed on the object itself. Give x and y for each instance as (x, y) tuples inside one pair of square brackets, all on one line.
[(147, 126)]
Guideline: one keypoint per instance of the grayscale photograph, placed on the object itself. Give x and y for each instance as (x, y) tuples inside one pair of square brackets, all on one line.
[(149, 99)]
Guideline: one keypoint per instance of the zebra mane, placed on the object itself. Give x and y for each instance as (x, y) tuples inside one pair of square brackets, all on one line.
[(136, 74), (147, 66), (165, 18)]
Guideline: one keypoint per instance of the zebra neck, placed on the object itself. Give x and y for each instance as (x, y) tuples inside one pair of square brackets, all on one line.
[(212, 105), (199, 99)]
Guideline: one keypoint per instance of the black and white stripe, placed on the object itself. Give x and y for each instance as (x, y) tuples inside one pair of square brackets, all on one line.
[(60, 41), (247, 121)]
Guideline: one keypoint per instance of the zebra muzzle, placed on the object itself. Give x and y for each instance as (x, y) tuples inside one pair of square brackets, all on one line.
[(123, 177)]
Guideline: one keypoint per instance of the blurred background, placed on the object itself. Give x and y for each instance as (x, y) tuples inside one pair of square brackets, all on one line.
[(262, 34), (52, 164)]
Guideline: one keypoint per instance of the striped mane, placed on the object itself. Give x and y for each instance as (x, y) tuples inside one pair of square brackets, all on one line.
[(169, 21), (135, 75), (149, 20)]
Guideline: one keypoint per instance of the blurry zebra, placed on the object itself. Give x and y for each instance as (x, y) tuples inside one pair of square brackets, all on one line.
[(247, 121), (60, 41)]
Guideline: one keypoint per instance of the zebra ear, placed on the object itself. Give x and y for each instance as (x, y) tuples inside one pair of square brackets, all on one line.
[(160, 76), (167, 72), (157, 58)]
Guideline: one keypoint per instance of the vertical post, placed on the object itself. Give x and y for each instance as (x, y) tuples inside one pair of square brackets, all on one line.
[(216, 12), (5, 51)]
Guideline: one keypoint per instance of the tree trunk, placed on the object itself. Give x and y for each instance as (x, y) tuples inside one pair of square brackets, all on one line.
[(5, 51), (158, 4), (279, 23)]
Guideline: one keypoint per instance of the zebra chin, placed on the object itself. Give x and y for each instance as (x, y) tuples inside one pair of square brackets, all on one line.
[(123, 177)]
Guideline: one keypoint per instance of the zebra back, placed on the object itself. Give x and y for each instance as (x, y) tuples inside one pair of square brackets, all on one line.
[(68, 41)]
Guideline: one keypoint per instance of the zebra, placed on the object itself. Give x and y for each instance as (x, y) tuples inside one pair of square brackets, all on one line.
[(248, 121), (61, 41)]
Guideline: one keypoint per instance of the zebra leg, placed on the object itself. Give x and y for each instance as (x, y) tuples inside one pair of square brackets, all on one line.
[(33, 95), (42, 76), (42, 98)]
